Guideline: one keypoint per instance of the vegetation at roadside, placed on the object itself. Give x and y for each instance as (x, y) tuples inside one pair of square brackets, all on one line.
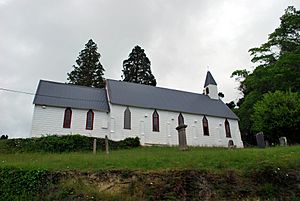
[(266, 183), (277, 68), (153, 173), (65, 143), (137, 68), (89, 70), (158, 158), (272, 113)]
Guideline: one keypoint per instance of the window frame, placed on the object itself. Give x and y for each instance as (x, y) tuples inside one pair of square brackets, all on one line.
[(205, 126), (207, 90), (180, 119), (92, 120), (155, 121), (65, 123), (127, 119), (227, 128)]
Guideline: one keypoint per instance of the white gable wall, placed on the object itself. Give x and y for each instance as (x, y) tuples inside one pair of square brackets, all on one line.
[(49, 120), (141, 126)]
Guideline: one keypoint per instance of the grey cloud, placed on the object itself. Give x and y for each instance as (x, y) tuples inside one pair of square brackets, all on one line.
[(41, 40)]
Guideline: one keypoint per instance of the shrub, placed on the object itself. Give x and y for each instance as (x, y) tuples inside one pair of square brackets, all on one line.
[(18, 184), (65, 143)]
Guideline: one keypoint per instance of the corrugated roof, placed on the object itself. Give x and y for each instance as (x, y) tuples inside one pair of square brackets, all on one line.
[(209, 79), (145, 96), (69, 95)]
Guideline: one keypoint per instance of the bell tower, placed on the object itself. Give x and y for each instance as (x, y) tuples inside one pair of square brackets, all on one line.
[(210, 87)]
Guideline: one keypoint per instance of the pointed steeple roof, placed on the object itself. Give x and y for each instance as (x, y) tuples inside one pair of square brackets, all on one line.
[(209, 79)]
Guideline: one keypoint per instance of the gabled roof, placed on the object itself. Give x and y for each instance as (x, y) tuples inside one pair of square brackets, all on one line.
[(209, 80), (145, 96), (69, 95)]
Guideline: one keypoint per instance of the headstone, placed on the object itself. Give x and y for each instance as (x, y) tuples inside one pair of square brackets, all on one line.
[(283, 141), (267, 143), (182, 137), (106, 145), (95, 146), (260, 140), (230, 144)]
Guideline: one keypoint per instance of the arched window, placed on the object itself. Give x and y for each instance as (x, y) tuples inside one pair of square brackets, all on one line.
[(180, 120), (155, 121), (89, 120), (205, 126), (207, 90), (67, 118), (227, 128), (127, 119)]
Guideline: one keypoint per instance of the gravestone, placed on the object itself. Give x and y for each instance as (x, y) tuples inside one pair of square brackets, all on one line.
[(182, 137), (106, 145), (95, 146), (283, 141), (260, 140), (231, 144), (267, 143)]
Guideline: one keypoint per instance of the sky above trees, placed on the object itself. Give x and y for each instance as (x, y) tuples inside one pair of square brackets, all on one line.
[(41, 40)]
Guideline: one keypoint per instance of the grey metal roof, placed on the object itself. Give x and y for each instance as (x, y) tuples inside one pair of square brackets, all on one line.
[(145, 96), (69, 95), (209, 79)]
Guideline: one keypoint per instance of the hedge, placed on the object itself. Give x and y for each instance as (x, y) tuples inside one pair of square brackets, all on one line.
[(65, 143)]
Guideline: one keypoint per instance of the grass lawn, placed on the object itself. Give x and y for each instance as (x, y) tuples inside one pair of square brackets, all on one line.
[(159, 158)]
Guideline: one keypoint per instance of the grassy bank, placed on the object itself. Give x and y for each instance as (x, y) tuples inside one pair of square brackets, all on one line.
[(158, 158), (153, 173)]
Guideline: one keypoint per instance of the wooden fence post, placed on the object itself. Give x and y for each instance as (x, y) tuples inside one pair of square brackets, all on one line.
[(95, 146), (106, 145)]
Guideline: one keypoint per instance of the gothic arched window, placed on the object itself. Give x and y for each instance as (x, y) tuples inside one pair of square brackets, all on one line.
[(89, 120), (127, 119), (227, 128), (205, 126), (180, 120), (67, 118), (155, 121)]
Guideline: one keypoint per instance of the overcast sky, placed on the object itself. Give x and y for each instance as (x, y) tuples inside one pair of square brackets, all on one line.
[(42, 39)]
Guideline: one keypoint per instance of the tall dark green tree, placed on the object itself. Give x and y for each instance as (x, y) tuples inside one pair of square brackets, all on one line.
[(88, 71), (137, 68), (278, 68)]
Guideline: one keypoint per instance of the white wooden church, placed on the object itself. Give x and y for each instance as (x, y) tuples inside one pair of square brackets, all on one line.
[(124, 109)]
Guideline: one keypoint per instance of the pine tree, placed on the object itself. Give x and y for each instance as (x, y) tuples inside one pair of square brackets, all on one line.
[(88, 71), (137, 68)]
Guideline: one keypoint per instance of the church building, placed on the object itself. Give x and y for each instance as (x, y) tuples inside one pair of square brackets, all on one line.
[(124, 109)]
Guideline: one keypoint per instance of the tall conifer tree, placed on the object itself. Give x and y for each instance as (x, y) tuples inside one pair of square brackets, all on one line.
[(88, 71), (137, 68)]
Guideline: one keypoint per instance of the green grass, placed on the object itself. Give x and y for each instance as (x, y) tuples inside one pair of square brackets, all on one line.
[(158, 158)]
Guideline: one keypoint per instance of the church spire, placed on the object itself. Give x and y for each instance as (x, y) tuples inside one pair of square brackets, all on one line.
[(210, 87), (209, 80)]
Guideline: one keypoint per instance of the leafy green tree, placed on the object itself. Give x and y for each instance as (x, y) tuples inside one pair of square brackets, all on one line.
[(221, 95), (277, 115), (137, 68), (278, 68), (4, 137), (286, 38), (231, 104), (88, 71)]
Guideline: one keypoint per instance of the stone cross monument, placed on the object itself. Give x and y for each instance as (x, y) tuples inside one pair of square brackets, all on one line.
[(182, 136)]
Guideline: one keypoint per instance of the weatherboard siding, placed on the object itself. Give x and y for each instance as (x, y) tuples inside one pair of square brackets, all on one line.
[(49, 121), (141, 126)]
